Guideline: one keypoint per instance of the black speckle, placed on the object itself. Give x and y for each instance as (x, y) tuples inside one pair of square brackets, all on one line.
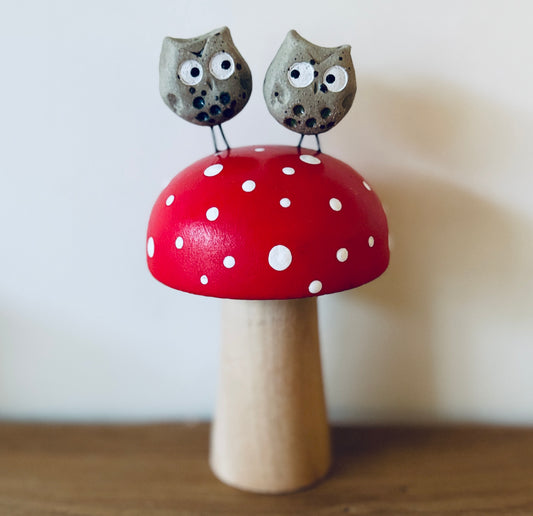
[(312, 62), (202, 117), (243, 95), (215, 110), (192, 90), (225, 97), (195, 71), (295, 74), (238, 66), (322, 127), (340, 58), (330, 78), (204, 93), (316, 73), (171, 99), (276, 94), (298, 110), (310, 122), (323, 88), (198, 102), (290, 122), (233, 104), (228, 113), (330, 125), (325, 112)]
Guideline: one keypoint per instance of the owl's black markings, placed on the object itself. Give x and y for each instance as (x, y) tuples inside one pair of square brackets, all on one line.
[(303, 98), (290, 122), (198, 102), (298, 110), (225, 97), (187, 68)]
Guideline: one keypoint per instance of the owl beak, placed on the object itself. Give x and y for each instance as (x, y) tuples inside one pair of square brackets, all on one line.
[(209, 84)]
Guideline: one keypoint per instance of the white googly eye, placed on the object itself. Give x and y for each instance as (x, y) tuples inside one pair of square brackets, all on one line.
[(190, 72), (335, 78), (301, 74), (222, 65)]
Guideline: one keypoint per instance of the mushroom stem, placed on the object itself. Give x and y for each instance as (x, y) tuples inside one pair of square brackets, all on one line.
[(270, 432)]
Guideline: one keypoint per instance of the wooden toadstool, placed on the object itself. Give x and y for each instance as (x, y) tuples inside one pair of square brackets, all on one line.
[(268, 229)]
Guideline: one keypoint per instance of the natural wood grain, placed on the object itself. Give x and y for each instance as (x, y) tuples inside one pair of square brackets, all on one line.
[(163, 470), (270, 432)]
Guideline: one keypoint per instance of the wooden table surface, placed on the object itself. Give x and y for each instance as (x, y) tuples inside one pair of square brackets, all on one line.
[(162, 470)]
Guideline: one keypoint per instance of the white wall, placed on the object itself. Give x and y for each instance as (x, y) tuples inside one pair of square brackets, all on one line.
[(442, 125)]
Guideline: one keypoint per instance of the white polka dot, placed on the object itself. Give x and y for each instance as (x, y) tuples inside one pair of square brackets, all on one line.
[(365, 184), (279, 257), (213, 170), (259, 149), (150, 247), (371, 241), (248, 186), (335, 204), (170, 200), (229, 262), (288, 171), (311, 160), (203, 280), (342, 254), (285, 202), (179, 243), (315, 287), (212, 214)]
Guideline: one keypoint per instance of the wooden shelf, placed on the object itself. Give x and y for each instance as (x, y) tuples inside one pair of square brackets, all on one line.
[(162, 470)]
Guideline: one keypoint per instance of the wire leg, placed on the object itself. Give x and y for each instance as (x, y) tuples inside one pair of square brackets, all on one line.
[(318, 143), (214, 139), (224, 137), (300, 142)]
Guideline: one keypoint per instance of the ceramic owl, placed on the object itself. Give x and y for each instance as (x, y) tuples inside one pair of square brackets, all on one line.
[(307, 88), (204, 80)]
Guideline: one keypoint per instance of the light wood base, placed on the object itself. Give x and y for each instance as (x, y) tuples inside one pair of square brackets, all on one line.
[(270, 432)]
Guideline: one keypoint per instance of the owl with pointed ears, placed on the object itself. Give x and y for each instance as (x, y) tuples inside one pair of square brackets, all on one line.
[(204, 80), (307, 88)]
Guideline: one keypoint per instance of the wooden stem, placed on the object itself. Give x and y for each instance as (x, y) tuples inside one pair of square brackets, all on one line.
[(270, 432)]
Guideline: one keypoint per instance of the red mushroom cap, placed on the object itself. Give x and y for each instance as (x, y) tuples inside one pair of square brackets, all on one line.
[(272, 222)]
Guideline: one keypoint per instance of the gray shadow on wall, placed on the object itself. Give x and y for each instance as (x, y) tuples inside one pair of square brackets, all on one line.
[(447, 244)]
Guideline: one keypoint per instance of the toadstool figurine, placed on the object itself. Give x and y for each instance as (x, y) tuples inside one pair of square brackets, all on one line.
[(268, 229)]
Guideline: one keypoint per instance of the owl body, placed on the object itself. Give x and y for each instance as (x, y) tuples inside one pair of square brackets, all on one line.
[(309, 88), (204, 80)]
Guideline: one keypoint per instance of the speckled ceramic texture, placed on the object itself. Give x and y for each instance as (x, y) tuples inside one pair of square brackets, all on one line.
[(307, 88), (204, 80)]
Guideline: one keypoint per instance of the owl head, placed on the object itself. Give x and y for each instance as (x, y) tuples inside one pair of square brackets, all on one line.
[(204, 80), (308, 88)]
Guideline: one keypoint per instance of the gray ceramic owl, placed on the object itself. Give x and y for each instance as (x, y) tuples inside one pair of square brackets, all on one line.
[(307, 88), (204, 80)]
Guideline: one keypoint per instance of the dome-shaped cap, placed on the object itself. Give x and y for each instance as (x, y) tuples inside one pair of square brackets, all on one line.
[(273, 222)]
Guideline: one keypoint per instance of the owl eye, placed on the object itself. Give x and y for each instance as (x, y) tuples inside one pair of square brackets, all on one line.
[(191, 72), (301, 74), (335, 78), (222, 65)]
